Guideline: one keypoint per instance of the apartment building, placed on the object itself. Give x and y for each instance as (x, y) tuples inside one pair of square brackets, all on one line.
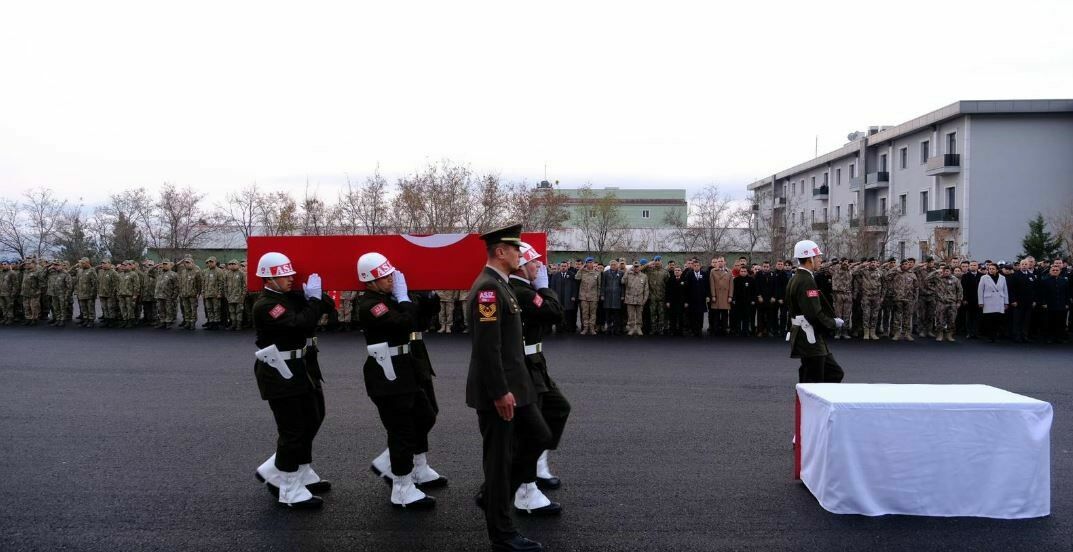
[(964, 179)]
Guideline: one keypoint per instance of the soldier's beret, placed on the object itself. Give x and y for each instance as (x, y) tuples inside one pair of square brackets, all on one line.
[(657, 258), (589, 259), (643, 261)]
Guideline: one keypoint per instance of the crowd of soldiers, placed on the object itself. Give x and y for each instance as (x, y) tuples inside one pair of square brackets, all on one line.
[(900, 300), (125, 294)]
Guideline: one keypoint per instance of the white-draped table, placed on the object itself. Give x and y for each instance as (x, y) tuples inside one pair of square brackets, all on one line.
[(929, 450)]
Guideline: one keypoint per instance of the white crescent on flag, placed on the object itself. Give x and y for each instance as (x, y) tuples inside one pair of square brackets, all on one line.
[(434, 240)]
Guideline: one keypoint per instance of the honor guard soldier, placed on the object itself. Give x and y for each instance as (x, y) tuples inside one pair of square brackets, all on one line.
[(291, 385), (540, 306), (811, 317), (500, 389), (398, 379)]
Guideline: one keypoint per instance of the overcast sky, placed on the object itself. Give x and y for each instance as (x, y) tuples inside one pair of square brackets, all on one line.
[(101, 96)]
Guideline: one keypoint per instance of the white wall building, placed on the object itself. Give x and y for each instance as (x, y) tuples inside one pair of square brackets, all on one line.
[(963, 179)]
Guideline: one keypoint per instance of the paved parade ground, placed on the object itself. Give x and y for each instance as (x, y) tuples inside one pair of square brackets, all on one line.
[(148, 440)]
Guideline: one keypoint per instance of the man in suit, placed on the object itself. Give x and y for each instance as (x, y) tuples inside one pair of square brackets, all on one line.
[(500, 389), (1022, 300), (697, 296), (811, 318), (970, 282)]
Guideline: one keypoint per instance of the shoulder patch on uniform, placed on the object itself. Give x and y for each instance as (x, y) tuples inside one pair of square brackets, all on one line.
[(379, 310), (813, 293), (277, 311), (538, 300), (487, 296), (487, 312)]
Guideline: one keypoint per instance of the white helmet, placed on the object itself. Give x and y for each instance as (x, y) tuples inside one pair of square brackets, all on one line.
[(273, 265), (373, 266), (806, 249), (528, 254)]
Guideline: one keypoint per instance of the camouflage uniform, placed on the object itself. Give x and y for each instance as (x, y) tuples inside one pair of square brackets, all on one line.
[(86, 290), (842, 289), (189, 288), (346, 308), (925, 302), (948, 296), (589, 295), (59, 281), (234, 292), (463, 296), (31, 294), (147, 296), (871, 296), (107, 282), (166, 294), (636, 292), (448, 298), (9, 284), (212, 291), (886, 307), (657, 295), (129, 284), (905, 290)]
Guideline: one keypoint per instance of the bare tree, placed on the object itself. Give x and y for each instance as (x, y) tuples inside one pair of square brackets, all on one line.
[(1060, 222), (239, 210), (366, 208), (681, 233), (181, 218), (600, 220), (277, 214), (540, 209), (710, 217), (316, 216), (485, 200), (44, 215), (14, 228), (434, 200)]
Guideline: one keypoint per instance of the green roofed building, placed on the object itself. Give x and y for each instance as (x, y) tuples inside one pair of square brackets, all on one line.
[(639, 208)]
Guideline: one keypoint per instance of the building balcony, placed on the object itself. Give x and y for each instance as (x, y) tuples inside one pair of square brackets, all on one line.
[(879, 179), (780, 202), (820, 226), (821, 192), (876, 223), (856, 182), (942, 216), (755, 207), (947, 163)]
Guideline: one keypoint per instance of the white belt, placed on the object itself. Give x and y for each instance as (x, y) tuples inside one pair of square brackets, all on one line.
[(400, 350), (416, 336), (810, 332), (534, 349), (311, 342), (297, 353)]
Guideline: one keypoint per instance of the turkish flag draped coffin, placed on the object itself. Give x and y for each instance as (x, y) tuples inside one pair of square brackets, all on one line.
[(436, 261)]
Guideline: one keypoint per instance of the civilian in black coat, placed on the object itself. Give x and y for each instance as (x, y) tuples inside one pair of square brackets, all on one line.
[(676, 301), (696, 296), (1053, 297), (1022, 301), (745, 295), (970, 283)]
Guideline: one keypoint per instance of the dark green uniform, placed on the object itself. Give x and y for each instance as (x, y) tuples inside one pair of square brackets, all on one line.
[(803, 297), (497, 366), (284, 320), (540, 308), (407, 404)]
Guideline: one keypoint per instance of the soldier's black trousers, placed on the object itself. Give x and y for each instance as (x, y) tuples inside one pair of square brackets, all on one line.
[(555, 409), (820, 369), (297, 421), (511, 450), (407, 418)]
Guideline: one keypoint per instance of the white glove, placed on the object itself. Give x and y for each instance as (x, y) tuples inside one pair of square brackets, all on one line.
[(839, 323), (398, 288), (312, 287), (541, 280)]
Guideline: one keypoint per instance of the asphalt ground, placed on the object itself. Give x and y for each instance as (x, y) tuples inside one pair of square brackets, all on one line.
[(147, 440)]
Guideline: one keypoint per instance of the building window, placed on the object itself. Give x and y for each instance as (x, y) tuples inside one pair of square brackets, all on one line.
[(802, 185), (813, 182), (645, 213), (849, 211), (825, 214), (883, 163), (923, 202), (902, 202), (853, 170), (903, 155), (925, 151), (838, 212), (812, 216), (923, 247), (901, 250), (838, 177), (824, 179), (950, 197), (882, 206), (952, 142)]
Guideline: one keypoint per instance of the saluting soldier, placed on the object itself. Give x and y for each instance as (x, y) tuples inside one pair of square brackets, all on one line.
[(212, 289), (540, 306), (234, 293), (86, 290), (107, 282), (812, 318), (31, 293), (147, 297), (189, 289), (58, 283), (283, 319), (8, 288), (589, 295), (398, 379), (500, 388), (166, 293), (127, 290)]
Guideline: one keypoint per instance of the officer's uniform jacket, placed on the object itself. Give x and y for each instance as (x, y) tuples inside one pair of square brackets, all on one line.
[(107, 282), (189, 282), (9, 280), (234, 285), (384, 319), (31, 283), (129, 284), (803, 297), (657, 282), (497, 363), (212, 282), (589, 290), (148, 285), (285, 320), (636, 286), (167, 285), (539, 308)]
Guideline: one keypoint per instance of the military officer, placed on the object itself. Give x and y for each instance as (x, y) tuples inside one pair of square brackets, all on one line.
[(500, 388), (947, 295), (31, 293), (129, 284), (398, 379), (8, 288), (812, 318), (540, 306), (147, 297), (107, 282), (589, 295), (657, 293), (86, 291), (283, 319), (635, 284), (166, 294), (58, 283), (189, 289), (234, 292), (212, 290)]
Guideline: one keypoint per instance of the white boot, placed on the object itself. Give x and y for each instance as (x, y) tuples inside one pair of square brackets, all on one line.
[(545, 480), (528, 499), (424, 475), (268, 473), (404, 494), (293, 493), (382, 465), (312, 481)]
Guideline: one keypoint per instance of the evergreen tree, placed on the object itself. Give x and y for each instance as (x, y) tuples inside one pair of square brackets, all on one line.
[(126, 241), (1039, 243), (73, 243)]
